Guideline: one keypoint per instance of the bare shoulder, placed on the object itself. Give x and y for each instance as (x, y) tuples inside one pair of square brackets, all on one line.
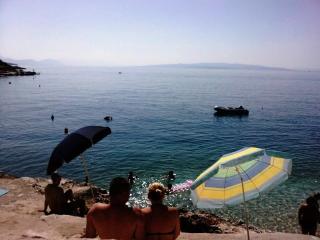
[(145, 210), (137, 211), (98, 207), (52, 189), (138, 214), (173, 210), (303, 205), (48, 187)]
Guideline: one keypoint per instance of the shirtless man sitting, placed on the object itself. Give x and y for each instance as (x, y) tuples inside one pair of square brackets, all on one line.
[(115, 220), (61, 202)]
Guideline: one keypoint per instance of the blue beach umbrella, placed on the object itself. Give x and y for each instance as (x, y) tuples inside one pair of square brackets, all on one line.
[(238, 177), (75, 144)]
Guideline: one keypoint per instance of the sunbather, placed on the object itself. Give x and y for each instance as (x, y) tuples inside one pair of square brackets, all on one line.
[(115, 220), (161, 222), (61, 202)]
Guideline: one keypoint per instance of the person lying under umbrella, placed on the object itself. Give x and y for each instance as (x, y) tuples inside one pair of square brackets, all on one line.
[(61, 202)]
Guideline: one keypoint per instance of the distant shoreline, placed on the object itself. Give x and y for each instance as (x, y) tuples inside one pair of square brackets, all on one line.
[(225, 66), (196, 65), (11, 69)]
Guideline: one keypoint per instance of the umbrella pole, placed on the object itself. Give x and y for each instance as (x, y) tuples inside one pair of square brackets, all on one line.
[(84, 163), (244, 204)]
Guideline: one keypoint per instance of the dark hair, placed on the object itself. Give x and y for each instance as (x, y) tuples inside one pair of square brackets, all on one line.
[(55, 176), (311, 201), (119, 185), (317, 196)]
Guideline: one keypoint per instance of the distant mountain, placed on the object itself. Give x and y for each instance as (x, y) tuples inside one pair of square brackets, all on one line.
[(34, 63), (223, 66)]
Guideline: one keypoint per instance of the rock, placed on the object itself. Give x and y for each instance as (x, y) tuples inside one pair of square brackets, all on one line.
[(66, 225), (32, 234), (28, 180), (199, 222), (81, 191)]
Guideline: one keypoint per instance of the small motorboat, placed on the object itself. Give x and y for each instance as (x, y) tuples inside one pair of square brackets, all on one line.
[(231, 111)]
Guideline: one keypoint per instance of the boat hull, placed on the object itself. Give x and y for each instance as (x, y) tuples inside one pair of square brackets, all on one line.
[(222, 111)]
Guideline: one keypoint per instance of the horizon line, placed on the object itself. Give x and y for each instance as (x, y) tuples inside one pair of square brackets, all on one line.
[(64, 64)]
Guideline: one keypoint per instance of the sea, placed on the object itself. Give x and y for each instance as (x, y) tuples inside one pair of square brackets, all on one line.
[(163, 120)]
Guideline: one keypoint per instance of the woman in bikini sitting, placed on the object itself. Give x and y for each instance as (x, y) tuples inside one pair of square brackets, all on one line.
[(161, 222)]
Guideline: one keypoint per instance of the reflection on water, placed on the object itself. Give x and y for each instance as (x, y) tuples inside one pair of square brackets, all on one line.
[(275, 210), (139, 195)]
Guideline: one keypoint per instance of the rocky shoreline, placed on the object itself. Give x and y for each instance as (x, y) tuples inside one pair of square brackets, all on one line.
[(10, 69), (21, 215), (191, 221)]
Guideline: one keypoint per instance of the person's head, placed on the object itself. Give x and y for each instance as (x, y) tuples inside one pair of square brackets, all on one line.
[(156, 192), (311, 201), (171, 175), (119, 191), (56, 178), (317, 196), (130, 174)]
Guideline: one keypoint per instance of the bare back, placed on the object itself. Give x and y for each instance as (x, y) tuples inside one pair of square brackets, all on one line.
[(161, 222), (113, 222), (55, 198)]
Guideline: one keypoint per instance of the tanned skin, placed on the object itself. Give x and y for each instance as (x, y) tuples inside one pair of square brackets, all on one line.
[(115, 220)]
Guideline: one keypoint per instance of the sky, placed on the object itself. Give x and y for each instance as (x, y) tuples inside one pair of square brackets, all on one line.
[(279, 33)]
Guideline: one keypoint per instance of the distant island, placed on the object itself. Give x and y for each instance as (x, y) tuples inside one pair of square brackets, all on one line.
[(11, 69), (222, 66), (35, 63)]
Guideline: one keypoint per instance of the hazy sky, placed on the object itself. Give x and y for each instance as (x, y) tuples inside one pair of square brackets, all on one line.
[(284, 33)]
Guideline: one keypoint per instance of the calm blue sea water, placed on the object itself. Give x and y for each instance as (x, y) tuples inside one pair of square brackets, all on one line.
[(163, 120)]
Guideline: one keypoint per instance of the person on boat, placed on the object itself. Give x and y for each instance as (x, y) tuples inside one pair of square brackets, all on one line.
[(115, 220), (309, 216), (161, 222), (61, 202)]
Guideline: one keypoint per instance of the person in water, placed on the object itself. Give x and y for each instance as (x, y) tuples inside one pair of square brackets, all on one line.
[(61, 202), (170, 178), (309, 216), (115, 220), (169, 188), (131, 178), (161, 222)]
